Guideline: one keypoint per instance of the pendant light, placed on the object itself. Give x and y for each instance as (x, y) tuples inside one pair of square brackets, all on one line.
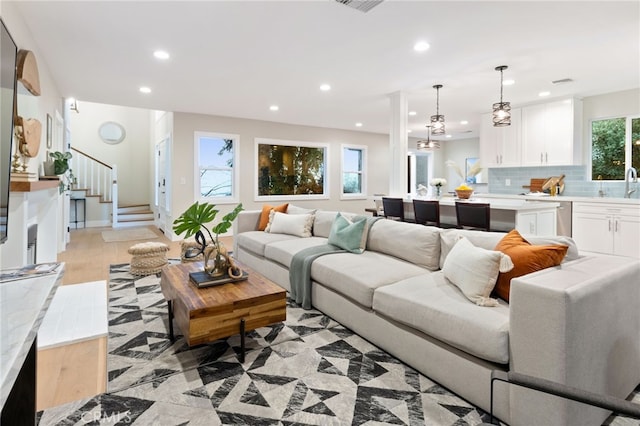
[(428, 145), (501, 110), (437, 121)]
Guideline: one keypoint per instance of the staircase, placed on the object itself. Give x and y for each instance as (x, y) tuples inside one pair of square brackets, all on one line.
[(97, 179), (135, 215)]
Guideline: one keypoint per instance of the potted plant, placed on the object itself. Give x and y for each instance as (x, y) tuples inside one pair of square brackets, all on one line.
[(191, 223), (58, 164)]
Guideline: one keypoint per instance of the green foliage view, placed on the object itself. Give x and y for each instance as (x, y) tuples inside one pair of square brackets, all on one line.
[(290, 170), (608, 149)]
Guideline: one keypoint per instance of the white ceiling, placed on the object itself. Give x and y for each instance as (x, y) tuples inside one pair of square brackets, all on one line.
[(236, 58)]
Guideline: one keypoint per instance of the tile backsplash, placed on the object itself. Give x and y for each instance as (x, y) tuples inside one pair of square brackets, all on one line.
[(576, 182)]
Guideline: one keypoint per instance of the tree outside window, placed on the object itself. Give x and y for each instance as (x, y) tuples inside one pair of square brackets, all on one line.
[(615, 146), (353, 166), (215, 159)]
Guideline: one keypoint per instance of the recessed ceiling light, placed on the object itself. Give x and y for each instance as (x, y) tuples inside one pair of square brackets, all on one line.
[(409, 131), (464, 122), (161, 54), (325, 87), (508, 82), (421, 46), (145, 89), (358, 124), (412, 113), (274, 107), (543, 94), (448, 136)]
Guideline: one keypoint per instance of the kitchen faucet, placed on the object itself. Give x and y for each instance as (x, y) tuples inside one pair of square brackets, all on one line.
[(633, 174)]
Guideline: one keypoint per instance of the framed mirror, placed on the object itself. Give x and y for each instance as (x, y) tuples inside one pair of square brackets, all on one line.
[(111, 132)]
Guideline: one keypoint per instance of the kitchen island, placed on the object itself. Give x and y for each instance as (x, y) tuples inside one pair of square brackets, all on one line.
[(528, 217)]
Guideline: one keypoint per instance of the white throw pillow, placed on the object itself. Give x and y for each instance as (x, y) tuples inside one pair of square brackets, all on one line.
[(474, 270), (292, 224), (291, 209)]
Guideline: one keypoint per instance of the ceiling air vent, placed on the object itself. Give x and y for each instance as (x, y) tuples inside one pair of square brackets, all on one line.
[(561, 81), (361, 5)]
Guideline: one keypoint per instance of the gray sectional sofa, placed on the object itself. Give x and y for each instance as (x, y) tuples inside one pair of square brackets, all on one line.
[(577, 323)]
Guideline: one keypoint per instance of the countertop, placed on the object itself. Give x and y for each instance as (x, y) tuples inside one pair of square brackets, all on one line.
[(502, 203), (602, 200), (23, 304)]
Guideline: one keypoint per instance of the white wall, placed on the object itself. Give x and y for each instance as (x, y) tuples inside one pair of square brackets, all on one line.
[(43, 207), (183, 163), (131, 156)]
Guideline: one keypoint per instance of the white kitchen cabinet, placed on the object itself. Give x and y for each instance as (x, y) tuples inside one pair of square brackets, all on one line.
[(610, 229), (500, 146), (550, 133), (536, 223)]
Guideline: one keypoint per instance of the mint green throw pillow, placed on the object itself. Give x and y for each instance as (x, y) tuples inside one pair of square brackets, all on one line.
[(349, 235)]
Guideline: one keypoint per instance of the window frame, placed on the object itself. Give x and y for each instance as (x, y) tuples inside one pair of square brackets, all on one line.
[(279, 142), (627, 144), (363, 173), (235, 169)]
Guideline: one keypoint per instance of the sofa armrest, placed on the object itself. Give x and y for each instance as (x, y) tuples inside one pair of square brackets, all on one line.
[(577, 324), (247, 220)]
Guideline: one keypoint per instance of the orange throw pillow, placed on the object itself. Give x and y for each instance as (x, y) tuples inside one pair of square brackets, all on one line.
[(264, 216), (526, 258)]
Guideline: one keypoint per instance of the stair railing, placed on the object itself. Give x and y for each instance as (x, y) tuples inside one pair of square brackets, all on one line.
[(97, 178)]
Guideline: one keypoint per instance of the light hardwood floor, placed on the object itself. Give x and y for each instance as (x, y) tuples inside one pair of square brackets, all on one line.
[(71, 372)]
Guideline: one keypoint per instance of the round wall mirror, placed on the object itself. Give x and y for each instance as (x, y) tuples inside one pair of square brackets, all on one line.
[(111, 132)]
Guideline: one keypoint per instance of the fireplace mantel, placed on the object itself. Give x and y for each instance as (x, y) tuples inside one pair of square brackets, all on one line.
[(37, 185)]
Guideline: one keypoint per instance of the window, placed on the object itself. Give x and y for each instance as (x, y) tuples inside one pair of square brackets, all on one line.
[(353, 168), (615, 146), (288, 170), (216, 175)]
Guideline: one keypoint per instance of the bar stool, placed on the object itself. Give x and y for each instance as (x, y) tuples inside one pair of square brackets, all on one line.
[(427, 211), (393, 208), (473, 215)]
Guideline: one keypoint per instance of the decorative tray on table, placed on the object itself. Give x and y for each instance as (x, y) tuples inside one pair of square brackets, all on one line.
[(201, 279)]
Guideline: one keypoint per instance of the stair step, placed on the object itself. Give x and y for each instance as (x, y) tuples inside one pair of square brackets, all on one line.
[(140, 208), (134, 219)]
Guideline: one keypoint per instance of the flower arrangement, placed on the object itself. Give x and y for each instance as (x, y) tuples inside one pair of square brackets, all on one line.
[(438, 182)]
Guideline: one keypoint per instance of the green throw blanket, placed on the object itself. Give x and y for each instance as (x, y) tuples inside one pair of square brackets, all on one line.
[(346, 236), (300, 272)]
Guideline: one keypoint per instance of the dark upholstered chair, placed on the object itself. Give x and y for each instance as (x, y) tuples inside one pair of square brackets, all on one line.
[(427, 212), (473, 215), (393, 208)]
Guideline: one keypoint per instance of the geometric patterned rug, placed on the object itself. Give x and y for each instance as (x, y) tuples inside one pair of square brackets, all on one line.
[(309, 370)]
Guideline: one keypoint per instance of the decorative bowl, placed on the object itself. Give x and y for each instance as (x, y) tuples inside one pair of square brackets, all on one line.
[(464, 194)]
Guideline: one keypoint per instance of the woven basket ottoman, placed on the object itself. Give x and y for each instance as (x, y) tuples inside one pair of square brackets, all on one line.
[(148, 258)]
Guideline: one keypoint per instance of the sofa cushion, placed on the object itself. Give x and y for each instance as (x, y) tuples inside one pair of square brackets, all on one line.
[(357, 276), (474, 270), (527, 258), (324, 220), (292, 224), (489, 240), (266, 210), (414, 243), (283, 251), (428, 303), (256, 241), (349, 235)]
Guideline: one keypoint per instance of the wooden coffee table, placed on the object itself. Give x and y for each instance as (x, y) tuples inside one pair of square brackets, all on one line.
[(207, 314)]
